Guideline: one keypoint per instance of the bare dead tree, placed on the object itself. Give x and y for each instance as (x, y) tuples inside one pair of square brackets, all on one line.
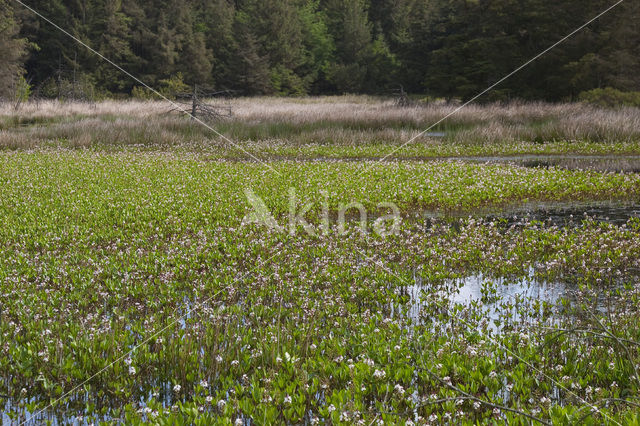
[(196, 102), (402, 99)]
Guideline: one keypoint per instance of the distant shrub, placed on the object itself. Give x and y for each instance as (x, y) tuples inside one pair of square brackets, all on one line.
[(610, 98), (432, 100), (22, 91), (65, 88), (168, 88)]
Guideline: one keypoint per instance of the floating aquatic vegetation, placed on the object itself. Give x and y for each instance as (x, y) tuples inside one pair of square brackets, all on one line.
[(138, 267)]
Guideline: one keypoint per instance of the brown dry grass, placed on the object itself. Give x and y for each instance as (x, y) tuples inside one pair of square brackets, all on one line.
[(349, 120)]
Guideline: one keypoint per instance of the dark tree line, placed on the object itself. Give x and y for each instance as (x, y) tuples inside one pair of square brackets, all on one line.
[(443, 48)]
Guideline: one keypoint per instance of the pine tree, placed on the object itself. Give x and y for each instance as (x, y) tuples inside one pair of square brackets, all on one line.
[(12, 51), (194, 60), (278, 29), (216, 18), (450, 48), (621, 66), (110, 34), (350, 27), (318, 44), (56, 52), (250, 68)]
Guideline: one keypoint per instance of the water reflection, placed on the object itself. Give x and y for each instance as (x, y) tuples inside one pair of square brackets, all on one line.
[(502, 303), (599, 163), (551, 213)]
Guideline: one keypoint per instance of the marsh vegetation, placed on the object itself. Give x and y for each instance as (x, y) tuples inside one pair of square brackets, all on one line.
[(132, 292)]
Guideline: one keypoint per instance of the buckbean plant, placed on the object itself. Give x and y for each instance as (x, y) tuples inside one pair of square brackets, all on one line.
[(133, 291)]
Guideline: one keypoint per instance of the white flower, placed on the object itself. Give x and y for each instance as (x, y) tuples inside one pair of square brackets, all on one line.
[(132, 370), (209, 399), (239, 422), (204, 384), (331, 408), (399, 389), (313, 348), (218, 358), (235, 363), (287, 400), (177, 388), (221, 404), (290, 358), (379, 374), (476, 405)]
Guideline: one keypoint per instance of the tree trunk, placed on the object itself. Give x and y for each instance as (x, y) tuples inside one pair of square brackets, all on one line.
[(194, 102)]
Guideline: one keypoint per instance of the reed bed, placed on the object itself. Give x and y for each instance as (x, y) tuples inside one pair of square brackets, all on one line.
[(353, 121)]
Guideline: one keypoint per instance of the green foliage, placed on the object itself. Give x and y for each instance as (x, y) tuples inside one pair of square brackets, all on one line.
[(610, 98), (13, 51), (103, 252), (22, 91), (168, 87), (450, 49)]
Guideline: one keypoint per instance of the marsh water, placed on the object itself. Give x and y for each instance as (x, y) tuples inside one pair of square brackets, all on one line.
[(551, 213), (601, 163), (507, 303)]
